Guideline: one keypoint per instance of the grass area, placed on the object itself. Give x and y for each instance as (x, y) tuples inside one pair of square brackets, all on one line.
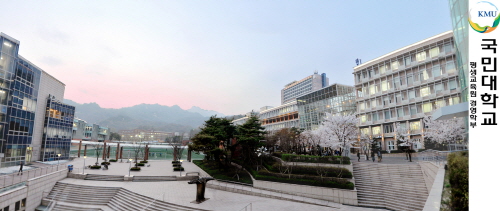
[(212, 168)]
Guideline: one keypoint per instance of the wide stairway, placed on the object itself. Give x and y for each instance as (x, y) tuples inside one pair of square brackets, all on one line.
[(102, 177), (391, 186), (73, 197)]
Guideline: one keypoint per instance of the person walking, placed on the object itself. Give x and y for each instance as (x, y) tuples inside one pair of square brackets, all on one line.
[(379, 156), (20, 168), (359, 156), (373, 156)]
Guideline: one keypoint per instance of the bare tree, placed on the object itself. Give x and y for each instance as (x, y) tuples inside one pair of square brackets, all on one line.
[(98, 148), (137, 149), (176, 144)]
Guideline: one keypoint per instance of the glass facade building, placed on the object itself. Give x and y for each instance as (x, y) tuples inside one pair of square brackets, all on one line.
[(460, 24), (58, 129), (336, 99), (20, 84)]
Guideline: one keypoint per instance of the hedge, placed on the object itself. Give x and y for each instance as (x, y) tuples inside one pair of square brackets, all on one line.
[(95, 167), (176, 165), (106, 163), (332, 184), (315, 159), (135, 169), (458, 175), (179, 168), (175, 161), (140, 164), (112, 160), (313, 170), (144, 161)]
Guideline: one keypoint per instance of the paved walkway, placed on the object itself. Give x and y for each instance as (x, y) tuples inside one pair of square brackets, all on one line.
[(180, 192)]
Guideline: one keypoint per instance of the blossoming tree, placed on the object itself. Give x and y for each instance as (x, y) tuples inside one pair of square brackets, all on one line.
[(339, 131), (449, 131)]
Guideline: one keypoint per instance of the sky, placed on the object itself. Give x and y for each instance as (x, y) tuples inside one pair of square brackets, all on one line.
[(227, 56)]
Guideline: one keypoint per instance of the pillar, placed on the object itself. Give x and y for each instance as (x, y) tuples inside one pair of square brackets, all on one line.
[(109, 151), (104, 151), (117, 151), (79, 148), (121, 153), (85, 150)]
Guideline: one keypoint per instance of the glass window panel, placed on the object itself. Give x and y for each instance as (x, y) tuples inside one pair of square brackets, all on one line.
[(434, 52)]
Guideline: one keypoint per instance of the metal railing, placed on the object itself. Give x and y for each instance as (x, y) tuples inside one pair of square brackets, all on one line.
[(437, 157), (245, 208), (15, 178), (154, 202)]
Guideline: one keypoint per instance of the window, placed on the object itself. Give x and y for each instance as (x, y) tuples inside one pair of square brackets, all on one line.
[(375, 116), (421, 56), (424, 75), (390, 145), (450, 67), (453, 100), (413, 110), (438, 87), (434, 52), (389, 128), (385, 99), (372, 89), (394, 65), (409, 79), (398, 97), (452, 84), (382, 69), (401, 112), (438, 104), (387, 114), (427, 107), (374, 103), (436, 70), (407, 61), (384, 85), (363, 118), (376, 130), (424, 91), (362, 106), (411, 94), (447, 47), (414, 126), (365, 131)]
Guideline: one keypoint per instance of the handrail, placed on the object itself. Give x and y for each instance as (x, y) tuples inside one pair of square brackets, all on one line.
[(238, 183), (50, 203), (153, 202), (246, 207)]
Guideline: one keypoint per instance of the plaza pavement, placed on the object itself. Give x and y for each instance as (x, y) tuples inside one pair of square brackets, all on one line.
[(180, 192)]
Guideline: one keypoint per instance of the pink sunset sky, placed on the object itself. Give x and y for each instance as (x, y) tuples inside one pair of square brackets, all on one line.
[(227, 56)]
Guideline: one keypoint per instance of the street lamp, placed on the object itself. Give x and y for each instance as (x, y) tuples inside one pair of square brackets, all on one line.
[(180, 169), (130, 166), (58, 158), (84, 157)]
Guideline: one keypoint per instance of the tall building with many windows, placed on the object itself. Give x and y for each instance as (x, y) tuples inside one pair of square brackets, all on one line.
[(405, 86), (307, 85), (279, 117), (24, 105)]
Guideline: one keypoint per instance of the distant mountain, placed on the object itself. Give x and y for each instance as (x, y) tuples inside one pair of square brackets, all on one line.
[(205, 113), (146, 116)]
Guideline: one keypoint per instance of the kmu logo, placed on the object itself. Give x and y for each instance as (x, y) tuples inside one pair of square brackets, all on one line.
[(483, 17)]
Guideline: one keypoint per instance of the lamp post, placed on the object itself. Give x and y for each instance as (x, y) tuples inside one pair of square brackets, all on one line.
[(58, 158), (180, 169), (130, 166), (84, 157)]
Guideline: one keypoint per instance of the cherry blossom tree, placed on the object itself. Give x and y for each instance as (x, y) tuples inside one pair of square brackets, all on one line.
[(339, 131), (449, 131), (402, 135)]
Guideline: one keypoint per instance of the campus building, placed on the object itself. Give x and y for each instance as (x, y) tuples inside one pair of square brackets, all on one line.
[(279, 117), (335, 99), (89, 132), (404, 86), (307, 85), (28, 108)]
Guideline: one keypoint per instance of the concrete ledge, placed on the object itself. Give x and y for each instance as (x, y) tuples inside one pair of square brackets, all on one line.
[(342, 196), (433, 202), (128, 178), (76, 176)]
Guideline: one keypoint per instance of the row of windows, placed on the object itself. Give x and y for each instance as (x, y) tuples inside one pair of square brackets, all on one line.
[(413, 109), (400, 96), (387, 129), (404, 61)]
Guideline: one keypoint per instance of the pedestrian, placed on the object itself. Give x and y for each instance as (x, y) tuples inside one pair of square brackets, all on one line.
[(359, 156), (373, 156), (379, 156), (20, 168)]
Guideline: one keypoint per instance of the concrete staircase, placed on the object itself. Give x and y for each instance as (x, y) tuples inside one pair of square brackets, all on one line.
[(71, 197), (391, 186), (101, 177), (80, 194), (126, 200)]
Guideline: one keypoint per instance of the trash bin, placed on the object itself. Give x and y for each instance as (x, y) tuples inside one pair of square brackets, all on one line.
[(70, 168)]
